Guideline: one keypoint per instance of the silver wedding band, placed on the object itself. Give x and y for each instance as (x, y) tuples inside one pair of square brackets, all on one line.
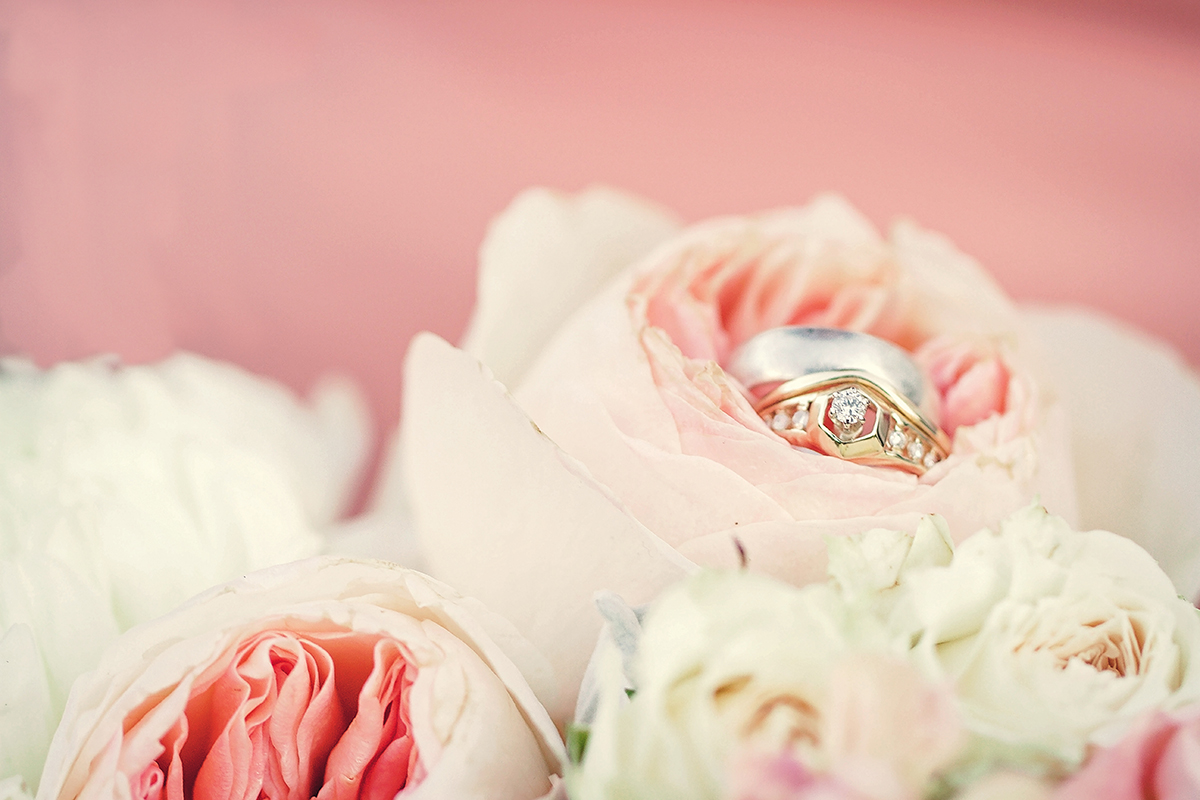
[(783, 354), (845, 394)]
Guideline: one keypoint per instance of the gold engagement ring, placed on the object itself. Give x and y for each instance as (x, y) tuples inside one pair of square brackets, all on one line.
[(837, 392)]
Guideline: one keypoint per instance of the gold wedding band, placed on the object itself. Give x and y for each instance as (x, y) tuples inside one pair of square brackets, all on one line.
[(855, 416)]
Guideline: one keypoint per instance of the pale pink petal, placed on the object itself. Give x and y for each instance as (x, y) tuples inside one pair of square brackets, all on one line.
[(545, 255), (755, 775), (483, 746), (887, 730), (453, 407), (148, 785), (1158, 759), (1178, 773), (1126, 395)]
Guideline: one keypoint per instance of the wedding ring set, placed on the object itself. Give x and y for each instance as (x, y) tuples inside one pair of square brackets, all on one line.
[(845, 394)]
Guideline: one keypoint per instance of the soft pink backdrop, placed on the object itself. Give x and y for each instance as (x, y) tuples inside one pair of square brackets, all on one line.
[(300, 186)]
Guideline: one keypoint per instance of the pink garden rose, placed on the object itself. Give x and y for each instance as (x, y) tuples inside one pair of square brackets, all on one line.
[(616, 448), (1159, 759), (326, 678)]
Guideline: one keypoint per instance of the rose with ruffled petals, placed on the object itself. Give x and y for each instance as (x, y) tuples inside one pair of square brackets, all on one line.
[(327, 678), (1056, 640), (626, 408)]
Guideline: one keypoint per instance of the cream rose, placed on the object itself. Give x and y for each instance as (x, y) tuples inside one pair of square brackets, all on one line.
[(125, 490), (1055, 639), (744, 687), (629, 456), (328, 678)]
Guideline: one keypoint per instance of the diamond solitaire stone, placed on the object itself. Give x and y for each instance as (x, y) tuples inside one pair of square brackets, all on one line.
[(848, 407)]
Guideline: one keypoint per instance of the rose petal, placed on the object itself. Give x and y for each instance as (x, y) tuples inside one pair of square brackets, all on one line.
[(543, 256), (359, 766), (27, 713), (1130, 401), (544, 586)]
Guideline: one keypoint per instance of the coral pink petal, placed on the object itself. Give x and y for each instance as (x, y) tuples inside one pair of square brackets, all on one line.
[(390, 772), (381, 720), (236, 760), (307, 721)]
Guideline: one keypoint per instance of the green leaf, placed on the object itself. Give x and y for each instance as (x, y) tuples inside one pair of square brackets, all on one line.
[(577, 738)]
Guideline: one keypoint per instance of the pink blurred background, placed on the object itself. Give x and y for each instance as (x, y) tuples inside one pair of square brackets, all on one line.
[(300, 186)]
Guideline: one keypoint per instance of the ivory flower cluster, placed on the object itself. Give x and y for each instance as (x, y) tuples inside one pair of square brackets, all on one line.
[(930, 670)]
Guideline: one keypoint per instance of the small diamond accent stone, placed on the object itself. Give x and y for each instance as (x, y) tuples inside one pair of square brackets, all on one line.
[(897, 439), (848, 407), (930, 459), (800, 418), (916, 450), (781, 420)]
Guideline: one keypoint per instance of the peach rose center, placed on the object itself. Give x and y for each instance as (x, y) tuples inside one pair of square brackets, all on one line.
[(291, 716)]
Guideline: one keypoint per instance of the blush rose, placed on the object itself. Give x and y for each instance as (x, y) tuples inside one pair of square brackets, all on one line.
[(326, 678), (629, 456)]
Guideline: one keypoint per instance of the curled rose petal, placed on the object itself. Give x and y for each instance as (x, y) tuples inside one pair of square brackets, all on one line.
[(328, 678)]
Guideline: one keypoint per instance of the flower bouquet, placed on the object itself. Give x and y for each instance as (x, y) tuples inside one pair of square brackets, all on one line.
[(768, 507)]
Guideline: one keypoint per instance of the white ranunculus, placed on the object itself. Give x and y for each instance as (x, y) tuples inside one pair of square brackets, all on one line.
[(733, 671), (1055, 639), (328, 677), (125, 490)]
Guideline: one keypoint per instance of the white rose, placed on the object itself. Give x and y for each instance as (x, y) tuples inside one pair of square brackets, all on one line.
[(328, 678), (732, 668), (125, 490), (1055, 639)]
